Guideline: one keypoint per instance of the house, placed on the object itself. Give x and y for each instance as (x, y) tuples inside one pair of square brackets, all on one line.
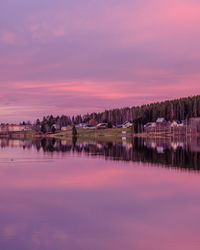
[(28, 127), (127, 124), (3, 128), (175, 124), (15, 128), (56, 126), (102, 125), (161, 121), (160, 126), (92, 122), (64, 128), (150, 125), (81, 125)]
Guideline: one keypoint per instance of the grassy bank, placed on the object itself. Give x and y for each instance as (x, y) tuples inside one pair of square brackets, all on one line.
[(81, 133), (112, 134), (88, 133)]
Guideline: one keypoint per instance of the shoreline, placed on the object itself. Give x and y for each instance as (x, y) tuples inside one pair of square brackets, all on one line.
[(92, 134)]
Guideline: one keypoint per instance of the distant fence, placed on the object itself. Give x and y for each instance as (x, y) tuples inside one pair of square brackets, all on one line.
[(160, 129), (190, 127), (167, 129)]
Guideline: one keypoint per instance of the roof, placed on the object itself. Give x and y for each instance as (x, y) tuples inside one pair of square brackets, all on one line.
[(176, 121), (160, 119)]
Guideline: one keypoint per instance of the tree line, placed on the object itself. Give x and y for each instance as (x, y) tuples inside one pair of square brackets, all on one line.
[(178, 109)]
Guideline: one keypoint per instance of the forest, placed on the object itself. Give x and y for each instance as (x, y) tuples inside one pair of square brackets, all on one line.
[(178, 109)]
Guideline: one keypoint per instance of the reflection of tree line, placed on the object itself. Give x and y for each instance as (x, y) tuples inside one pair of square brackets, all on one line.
[(139, 150), (181, 157)]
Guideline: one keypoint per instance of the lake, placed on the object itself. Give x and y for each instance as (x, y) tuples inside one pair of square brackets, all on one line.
[(100, 195)]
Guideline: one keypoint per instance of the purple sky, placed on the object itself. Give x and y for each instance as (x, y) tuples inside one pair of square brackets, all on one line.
[(75, 56)]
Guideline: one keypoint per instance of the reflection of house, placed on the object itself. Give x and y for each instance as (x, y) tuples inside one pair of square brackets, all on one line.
[(160, 150), (63, 142), (127, 145), (14, 143)]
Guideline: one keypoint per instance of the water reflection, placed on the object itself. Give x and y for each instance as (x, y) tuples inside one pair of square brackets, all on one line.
[(89, 203), (181, 153)]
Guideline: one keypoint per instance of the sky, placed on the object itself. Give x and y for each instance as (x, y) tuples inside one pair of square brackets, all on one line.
[(74, 56)]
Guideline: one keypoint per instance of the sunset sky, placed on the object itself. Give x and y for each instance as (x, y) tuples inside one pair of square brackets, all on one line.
[(78, 56)]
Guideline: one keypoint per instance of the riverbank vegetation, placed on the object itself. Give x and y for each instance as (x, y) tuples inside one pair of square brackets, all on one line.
[(178, 109)]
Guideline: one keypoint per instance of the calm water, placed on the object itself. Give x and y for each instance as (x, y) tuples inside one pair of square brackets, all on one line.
[(143, 194)]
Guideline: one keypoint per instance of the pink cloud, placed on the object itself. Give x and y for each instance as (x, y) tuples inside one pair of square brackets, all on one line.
[(8, 37)]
